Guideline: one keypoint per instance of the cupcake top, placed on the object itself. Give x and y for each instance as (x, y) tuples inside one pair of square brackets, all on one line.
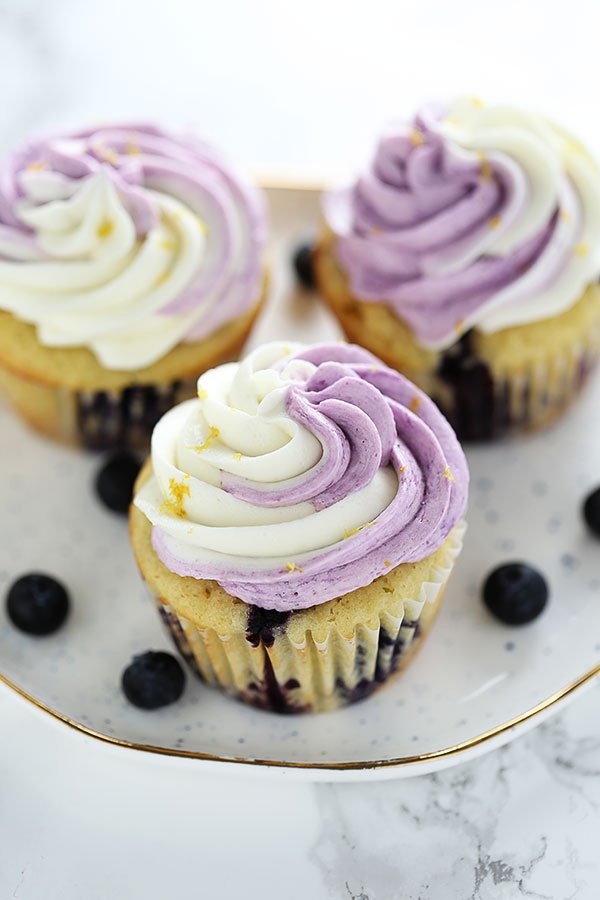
[(302, 473), (473, 216), (127, 240)]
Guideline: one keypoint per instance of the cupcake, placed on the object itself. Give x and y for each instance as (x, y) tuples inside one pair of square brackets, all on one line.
[(130, 262), (297, 524), (467, 257)]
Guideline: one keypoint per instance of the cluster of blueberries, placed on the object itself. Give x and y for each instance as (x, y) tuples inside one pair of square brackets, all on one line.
[(37, 604)]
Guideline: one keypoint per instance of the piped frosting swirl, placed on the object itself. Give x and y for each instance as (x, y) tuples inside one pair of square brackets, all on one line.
[(302, 473), (126, 240), (474, 216)]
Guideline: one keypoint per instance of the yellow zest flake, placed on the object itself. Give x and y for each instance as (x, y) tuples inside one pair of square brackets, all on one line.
[(387, 562), (105, 228), (174, 502), (37, 166), (292, 567), (202, 225), (565, 216), (348, 534), (202, 393), (166, 244), (486, 171), (458, 325), (373, 368), (214, 434), (162, 278), (494, 221), (477, 101), (416, 138), (132, 149), (286, 350), (582, 249), (376, 230), (108, 154), (415, 403), (237, 456), (402, 469), (448, 474)]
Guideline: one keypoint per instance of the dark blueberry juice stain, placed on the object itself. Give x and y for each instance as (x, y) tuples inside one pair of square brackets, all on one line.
[(123, 419), (478, 412), (263, 624)]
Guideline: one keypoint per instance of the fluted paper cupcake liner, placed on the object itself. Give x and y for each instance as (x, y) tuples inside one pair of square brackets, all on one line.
[(320, 672)]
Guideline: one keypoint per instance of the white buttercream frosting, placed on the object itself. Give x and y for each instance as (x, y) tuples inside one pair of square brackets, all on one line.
[(126, 241)]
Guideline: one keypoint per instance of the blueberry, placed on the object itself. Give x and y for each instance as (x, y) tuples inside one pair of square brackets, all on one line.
[(303, 264), (591, 512), (115, 481), (37, 604), (515, 593), (153, 679)]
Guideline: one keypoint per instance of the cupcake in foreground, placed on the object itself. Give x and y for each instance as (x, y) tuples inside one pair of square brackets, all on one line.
[(298, 522), (468, 257), (130, 262)]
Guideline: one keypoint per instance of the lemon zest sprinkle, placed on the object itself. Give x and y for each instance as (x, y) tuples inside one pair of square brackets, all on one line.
[(415, 403), (292, 567), (214, 434), (202, 393), (448, 474), (107, 153), (387, 562), (348, 534), (105, 228), (494, 221), (36, 166), (237, 456), (166, 244), (174, 503), (416, 138), (582, 249)]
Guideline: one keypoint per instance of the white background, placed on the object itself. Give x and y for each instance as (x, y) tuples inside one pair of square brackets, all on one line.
[(299, 87)]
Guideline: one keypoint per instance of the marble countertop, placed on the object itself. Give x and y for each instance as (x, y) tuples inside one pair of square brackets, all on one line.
[(80, 821)]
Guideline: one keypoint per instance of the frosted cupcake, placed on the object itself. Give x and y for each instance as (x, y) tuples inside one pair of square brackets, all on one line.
[(298, 522), (130, 261), (468, 257)]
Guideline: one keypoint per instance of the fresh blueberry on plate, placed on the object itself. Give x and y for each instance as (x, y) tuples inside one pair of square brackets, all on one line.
[(515, 593), (115, 481), (591, 512), (153, 679), (37, 604), (303, 265)]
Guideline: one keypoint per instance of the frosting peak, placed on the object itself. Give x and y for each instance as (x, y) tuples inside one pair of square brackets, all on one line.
[(474, 216), (127, 240), (300, 474)]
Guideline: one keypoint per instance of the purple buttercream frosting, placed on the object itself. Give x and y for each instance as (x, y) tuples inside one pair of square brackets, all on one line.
[(424, 203), (366, 417)]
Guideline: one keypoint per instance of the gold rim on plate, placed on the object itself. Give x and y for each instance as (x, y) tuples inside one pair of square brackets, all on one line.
[(444, 753)]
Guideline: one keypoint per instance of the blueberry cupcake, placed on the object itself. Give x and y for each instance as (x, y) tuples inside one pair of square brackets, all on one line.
[(468, 257), (130, 262), (297, 524)]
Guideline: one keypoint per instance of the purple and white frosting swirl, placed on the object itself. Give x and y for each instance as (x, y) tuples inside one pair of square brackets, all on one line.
[(127, 240), (476, 216), (302, 473)]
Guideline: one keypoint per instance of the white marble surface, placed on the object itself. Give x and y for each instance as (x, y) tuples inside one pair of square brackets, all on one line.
[(81, 821), (299, 87)]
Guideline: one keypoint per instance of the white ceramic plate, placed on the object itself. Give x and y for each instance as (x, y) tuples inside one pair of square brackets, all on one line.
[(474, 685)]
